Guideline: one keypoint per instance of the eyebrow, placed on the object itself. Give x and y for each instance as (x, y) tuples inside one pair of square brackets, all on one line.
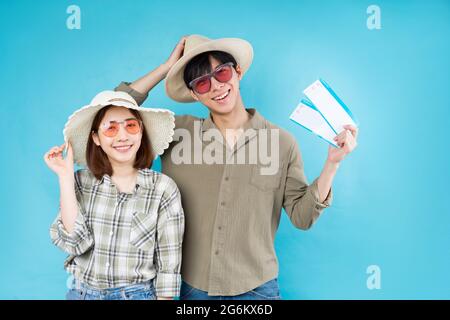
[(122, 120)]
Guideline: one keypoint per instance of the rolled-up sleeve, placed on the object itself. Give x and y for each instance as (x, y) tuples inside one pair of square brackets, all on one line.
[(168, 249), (80, 240), (301, 201), (138, 96)]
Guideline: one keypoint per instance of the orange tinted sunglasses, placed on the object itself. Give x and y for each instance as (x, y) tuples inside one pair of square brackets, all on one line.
[(111, 129)]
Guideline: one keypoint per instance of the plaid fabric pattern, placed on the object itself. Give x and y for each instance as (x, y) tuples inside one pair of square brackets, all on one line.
[(121, 239)]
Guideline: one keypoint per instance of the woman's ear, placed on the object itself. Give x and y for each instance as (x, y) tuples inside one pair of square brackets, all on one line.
[(95, 138), (194, 96)]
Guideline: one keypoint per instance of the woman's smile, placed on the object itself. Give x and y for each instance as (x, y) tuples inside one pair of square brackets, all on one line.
[(123, 149)]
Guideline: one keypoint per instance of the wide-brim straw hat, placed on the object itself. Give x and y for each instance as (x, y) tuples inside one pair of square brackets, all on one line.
[(159, 123), (240, 49)]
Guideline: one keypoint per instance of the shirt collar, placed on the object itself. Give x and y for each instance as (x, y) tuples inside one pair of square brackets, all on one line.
[(144, 179), (256, 121)]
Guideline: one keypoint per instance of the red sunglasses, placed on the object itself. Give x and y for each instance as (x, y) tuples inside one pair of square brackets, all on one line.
[(222, 73)]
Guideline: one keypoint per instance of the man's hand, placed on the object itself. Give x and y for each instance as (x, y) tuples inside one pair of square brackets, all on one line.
[(346, 140), (176, 54), (146, 83)]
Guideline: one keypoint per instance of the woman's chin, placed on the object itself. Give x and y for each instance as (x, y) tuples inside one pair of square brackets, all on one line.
[(121, 159)]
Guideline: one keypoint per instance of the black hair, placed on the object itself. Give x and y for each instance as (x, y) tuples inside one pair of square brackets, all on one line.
[(200, 65)]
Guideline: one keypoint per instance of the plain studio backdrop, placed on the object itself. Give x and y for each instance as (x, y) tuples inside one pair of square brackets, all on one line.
[(389, 224)]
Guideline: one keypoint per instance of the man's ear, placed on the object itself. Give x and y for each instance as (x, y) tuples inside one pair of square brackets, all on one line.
[(194, 96), (95, 138), (239, 71)]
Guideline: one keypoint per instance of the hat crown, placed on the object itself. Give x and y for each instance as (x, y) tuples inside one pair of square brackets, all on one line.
[(193, 41), (108, 97)]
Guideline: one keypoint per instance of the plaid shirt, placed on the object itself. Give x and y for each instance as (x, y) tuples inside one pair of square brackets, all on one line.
[(121, 239)]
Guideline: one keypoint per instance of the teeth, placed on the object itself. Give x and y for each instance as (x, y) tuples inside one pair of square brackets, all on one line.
[(222, 96), (122, 148)]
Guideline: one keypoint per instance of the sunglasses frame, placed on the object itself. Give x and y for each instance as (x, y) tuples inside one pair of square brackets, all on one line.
[(104, 126), (209, 76)]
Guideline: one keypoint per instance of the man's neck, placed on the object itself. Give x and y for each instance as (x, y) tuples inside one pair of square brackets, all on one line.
[(233, 120), (230, 123)]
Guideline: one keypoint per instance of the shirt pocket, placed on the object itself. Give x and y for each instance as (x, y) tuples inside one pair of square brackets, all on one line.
[(265, 182), (143, 229)]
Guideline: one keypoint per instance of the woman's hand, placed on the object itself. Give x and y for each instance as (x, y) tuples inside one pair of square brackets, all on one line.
[(63, 167), (346, 141), (176, 54), (55, 161)]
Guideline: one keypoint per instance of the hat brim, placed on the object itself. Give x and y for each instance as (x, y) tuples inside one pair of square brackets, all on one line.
[(159, 125), (240, 49)]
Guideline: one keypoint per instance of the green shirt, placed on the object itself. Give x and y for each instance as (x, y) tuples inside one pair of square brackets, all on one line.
[(233, 211), (120, 238)]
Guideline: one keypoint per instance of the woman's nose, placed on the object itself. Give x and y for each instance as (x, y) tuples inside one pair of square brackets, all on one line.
[(122, 134)]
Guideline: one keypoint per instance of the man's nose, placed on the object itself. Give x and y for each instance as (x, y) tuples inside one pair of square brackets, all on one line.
[(215, 85)]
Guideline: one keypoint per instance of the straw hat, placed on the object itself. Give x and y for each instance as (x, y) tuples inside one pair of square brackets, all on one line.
[(159, 123), (240, 49)]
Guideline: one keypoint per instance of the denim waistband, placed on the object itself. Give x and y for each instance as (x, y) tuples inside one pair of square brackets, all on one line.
[(146, 285)]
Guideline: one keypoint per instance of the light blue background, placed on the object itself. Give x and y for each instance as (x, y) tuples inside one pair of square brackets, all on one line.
[(390, 207)]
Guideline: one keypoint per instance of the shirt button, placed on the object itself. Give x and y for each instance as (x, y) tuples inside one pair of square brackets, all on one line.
[(220, 228), (111, 233), (217, 252), (107, 264), (226, 178), (222, 203)]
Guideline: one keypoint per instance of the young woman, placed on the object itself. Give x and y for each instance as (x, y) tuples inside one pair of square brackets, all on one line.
[(121, 222)]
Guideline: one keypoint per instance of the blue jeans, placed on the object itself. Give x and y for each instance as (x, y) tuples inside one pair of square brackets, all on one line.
[(267, 291), (141, 291)]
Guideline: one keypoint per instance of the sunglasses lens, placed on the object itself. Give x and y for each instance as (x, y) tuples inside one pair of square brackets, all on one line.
[(132, 126), (223, 74), (202, 85), (111, 129)]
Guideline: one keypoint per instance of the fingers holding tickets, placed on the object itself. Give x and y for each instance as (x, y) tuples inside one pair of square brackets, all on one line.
[(347, 138), (354, 130)]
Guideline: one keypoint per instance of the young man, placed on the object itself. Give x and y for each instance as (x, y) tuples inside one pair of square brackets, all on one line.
[(233, 209)]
